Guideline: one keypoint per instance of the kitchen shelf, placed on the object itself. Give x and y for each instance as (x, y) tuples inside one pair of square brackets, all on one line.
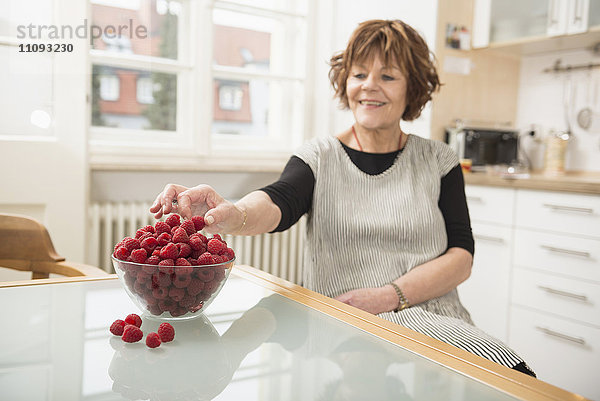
[(545, 44)]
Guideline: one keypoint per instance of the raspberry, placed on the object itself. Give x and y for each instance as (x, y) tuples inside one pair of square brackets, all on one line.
[(173, 220), (166, 266), (228, 253), (163, 239), (139, 255), (215, 246), (182, 262), (132, 334), (185, 250), (176, 294), (160, 293), (205, 259), (166, 332), (188, 226), (195, 286), (153, 340), (121, 253), (217, 236), (152, 260), (217, 259), (162, 279), (169, 251), (181, 281), (180, 235), (140, 232), (134, 319), (131, 243), (206, 275), (196, 243), (161, 227), (148, 229), (117, 327), (149, 243), (198, 222)]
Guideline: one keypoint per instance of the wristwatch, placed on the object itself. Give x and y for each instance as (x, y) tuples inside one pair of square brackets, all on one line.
[(402, 301)]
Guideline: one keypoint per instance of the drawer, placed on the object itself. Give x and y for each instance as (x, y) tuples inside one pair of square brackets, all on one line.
[(562, 353), (569, 298), (486, 292), (572, 256), (490, 204), (577, 214)]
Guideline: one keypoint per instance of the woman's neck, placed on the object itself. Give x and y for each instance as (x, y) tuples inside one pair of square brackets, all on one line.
[(374, 141)]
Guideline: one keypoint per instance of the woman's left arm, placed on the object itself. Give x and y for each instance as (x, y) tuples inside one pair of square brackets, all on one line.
[(422, 283)]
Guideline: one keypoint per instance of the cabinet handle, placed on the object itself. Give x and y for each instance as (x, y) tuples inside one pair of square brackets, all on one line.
[(553, 333), (553, 12), (488, 238), (578, 12), (567, 251), (563, 208), (475, 199), (554, 291)]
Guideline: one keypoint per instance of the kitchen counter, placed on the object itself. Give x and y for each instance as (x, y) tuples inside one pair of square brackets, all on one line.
[(572, 181)]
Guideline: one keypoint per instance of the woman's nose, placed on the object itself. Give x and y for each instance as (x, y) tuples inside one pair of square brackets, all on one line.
[(369, 82)]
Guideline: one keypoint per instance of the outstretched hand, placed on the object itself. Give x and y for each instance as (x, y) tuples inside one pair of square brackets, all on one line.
[(220, 215)]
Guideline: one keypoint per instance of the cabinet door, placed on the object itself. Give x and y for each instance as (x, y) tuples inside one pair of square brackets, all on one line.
[(561, 352), (486, 293)]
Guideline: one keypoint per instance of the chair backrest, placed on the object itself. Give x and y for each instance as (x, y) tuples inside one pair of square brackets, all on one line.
[(26, 245)]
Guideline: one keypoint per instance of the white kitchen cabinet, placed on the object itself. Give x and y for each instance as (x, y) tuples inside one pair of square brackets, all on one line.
[(486, 293), (536, 273), (497, 21)]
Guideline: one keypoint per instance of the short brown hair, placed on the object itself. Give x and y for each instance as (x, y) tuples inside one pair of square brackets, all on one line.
[(395, 42)]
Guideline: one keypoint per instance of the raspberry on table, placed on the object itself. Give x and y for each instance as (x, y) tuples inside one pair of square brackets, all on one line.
[(188, 226), (173, 220), (166, 332), (153, 340), (134, 320), (117, 327), (215, 246), (132, 334), (198, 222)]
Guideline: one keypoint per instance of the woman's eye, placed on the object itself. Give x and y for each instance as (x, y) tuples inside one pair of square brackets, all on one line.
[(359, 75), (387, 78)]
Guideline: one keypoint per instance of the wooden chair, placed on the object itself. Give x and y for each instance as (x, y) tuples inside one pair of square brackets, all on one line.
[(26, 245)]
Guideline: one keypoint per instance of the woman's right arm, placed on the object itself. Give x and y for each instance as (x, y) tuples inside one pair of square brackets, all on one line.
[(254, 214)]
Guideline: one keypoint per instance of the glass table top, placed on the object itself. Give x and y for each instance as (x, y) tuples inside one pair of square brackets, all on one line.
[(251, 344)]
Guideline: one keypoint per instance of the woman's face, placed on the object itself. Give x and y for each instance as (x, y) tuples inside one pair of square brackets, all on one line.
[(376, 94)]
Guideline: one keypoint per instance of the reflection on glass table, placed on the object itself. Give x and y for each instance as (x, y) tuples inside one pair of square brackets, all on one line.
[(253, 343)]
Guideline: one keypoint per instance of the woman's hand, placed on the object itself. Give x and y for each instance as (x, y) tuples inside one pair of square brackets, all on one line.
[(220, 215), (372, 300)]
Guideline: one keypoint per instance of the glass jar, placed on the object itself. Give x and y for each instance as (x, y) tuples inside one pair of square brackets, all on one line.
[(556, 149)]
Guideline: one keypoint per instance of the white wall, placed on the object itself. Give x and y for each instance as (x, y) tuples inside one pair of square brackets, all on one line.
[(541, 102)]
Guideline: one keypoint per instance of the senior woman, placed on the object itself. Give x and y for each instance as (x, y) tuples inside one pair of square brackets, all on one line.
[(388, 229)]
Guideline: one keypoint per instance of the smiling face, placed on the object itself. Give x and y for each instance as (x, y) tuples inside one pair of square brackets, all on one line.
[(376, 94)]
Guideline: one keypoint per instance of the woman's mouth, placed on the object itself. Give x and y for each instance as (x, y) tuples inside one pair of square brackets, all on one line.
[(370, 103)]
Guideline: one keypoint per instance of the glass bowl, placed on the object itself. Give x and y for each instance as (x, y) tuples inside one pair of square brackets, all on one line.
[(172, 292)]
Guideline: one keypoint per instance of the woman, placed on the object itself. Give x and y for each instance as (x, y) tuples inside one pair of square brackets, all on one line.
[(388, 228)]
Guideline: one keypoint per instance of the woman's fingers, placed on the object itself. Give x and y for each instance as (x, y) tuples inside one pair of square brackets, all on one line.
[(163, 204)]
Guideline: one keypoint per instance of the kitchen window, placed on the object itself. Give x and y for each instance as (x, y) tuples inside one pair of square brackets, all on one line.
[(199, 80)]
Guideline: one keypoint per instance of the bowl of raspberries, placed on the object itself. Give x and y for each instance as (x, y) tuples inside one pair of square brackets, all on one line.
[(171, 270)]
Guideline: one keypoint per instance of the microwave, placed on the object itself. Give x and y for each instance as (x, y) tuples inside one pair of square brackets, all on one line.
[(484, 146)]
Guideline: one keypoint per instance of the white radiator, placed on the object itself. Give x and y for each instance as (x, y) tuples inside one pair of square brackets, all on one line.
[(280, 254)]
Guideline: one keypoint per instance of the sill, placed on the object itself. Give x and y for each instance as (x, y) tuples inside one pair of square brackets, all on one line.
[(230, 162)]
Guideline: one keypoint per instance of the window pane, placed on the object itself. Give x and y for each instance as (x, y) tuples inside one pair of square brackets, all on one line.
[(133, 99), (18, 15), (259, 43), (258, 107), (26, 95), (292, 6), (143, 27)]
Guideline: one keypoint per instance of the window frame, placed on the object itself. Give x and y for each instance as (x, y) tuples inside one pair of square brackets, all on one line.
[(193, 145)]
